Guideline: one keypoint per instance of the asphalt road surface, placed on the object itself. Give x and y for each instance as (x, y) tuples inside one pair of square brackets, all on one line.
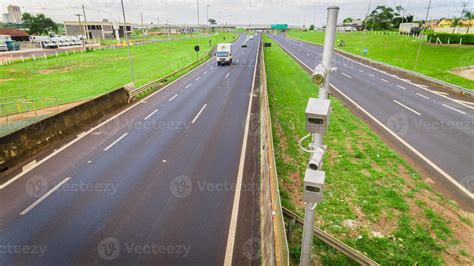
[(155, 185), (437, 128)]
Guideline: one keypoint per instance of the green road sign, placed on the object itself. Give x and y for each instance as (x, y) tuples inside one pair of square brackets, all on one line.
[(279, 26)]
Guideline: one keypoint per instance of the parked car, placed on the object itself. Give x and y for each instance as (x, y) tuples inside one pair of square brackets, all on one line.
[(48, 44)]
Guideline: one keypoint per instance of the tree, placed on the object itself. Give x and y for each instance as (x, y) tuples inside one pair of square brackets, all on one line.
[(468, 16), (347, 20), (455, 22), (39, 24), (212, 21), (381, 18), (311, 27)]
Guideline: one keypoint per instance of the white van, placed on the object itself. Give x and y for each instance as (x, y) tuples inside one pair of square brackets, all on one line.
[(224, 54)]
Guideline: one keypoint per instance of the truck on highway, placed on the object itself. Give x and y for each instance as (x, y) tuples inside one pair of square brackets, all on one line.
[(224, 54), (408, 28)]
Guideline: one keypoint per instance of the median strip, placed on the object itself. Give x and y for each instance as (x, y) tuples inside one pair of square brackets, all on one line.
[(346, 75), (172, 98), (454, 109), (406, 107), (25, 211), (115, 142), (152, 113), (198, 114)]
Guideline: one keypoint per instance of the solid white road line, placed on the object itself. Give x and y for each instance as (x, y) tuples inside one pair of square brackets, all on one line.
[(172, 98), (152, 113), (401, 87), (116, 141), (421, 95), (346, 75), (406, 107), (227, 75), (384, 80), (229, 252), (69, 144), (454, 109), (187, 86), (415, 151), (198, 114), (38, 201)]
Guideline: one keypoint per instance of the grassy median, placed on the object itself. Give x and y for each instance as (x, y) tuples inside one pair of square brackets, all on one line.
[(436, 61), (80, 76), (373, 199)]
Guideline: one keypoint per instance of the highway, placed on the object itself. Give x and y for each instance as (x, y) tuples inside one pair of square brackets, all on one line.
[(157, 184), (438, 129)]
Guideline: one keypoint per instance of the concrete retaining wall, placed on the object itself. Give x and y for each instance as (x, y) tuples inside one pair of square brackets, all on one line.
[(27, 142)]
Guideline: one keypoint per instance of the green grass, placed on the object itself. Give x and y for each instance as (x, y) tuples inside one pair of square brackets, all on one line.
[(81, 76), (366, 181), (435, 60)]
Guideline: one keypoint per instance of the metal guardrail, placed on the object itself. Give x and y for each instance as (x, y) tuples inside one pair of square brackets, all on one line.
[(22, 105), (462, 90), (157, 83), (350, 252)]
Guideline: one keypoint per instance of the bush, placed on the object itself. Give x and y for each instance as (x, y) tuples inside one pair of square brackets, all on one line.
[(452, 38)]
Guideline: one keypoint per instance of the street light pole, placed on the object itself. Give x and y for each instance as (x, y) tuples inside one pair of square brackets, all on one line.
[(421, 39), (85, 21), (80, 25), (207, 13), (324, 71), (128, 43)]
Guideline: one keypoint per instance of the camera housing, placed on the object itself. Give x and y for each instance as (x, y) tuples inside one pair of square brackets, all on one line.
[(313, 185), (319, 74), (317, 115)]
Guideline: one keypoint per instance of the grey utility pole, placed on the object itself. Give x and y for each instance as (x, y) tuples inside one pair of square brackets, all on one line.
[(128, 43), (317, 112), (421, 33), (198, 30), (143, 27), (80, 25), (87, 26)]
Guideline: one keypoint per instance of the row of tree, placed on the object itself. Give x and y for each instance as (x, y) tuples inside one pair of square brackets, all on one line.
[(387, 18)]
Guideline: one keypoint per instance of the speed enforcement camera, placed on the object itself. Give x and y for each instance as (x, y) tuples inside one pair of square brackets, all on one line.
[(319, 74), (317, 115), (313, 186)]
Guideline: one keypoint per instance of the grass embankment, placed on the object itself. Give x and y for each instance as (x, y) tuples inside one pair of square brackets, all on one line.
[(436, 61), (80, 76), (396, 218)]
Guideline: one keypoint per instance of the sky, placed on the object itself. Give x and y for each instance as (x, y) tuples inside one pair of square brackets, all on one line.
[(292, 12)]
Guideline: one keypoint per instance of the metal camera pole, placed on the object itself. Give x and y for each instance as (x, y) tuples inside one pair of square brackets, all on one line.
[(325, 70)]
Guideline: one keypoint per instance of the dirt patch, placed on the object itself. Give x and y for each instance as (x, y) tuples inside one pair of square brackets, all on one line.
[(6, 80), (58, 70), (460, 230), (467, 73)]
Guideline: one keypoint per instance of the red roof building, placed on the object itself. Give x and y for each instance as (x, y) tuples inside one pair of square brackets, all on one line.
[(15, 34)]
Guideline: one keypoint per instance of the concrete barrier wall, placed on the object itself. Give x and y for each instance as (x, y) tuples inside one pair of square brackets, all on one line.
[(274, 245), (27, 142)]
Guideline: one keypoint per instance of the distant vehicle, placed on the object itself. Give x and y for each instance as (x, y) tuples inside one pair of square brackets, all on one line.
[(61, 42), (251, 37), (3, 45), (48, 44), (12, 45), (406, 28), (224, 54), (39, 39), (244, 44)]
